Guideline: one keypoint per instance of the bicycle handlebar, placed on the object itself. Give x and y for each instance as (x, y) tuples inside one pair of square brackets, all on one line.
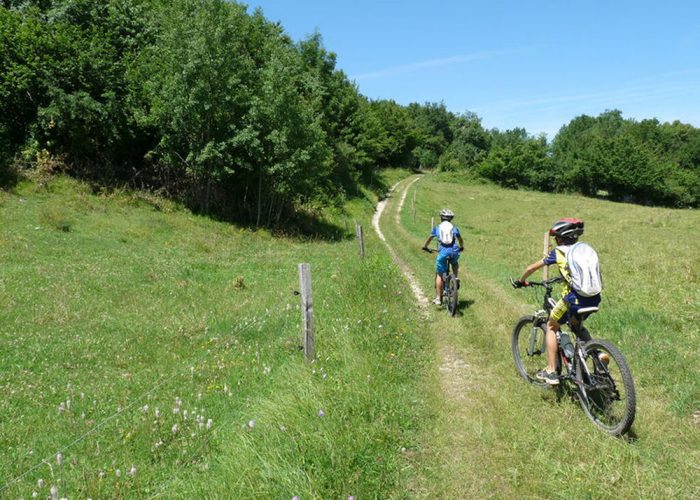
[(546, 283)]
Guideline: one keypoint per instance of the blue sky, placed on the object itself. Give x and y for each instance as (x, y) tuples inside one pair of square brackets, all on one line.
[(535, 64)]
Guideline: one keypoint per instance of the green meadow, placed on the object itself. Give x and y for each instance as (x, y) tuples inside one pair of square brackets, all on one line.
[(158, 353), (495, 435), (149, 352)]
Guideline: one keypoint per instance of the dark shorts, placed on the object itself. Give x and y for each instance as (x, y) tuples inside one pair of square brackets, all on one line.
[(570, 305)]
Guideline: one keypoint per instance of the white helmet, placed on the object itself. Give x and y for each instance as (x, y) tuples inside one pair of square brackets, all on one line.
[(446, 214)]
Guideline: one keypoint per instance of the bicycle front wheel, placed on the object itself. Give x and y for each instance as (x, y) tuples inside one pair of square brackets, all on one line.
[(529, 349), (607, 394), (452, 299)]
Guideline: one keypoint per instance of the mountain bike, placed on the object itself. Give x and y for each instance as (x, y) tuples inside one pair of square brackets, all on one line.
[(594, 372), (450, 286)]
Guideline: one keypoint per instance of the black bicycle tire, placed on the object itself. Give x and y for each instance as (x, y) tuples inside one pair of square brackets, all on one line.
[(453, 297), (625, 422), (519, 367)]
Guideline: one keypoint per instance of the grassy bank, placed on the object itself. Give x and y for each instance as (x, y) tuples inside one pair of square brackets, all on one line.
[(158, 353)]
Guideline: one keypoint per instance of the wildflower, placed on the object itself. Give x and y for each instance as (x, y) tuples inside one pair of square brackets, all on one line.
[(210, 422), (61, 407), (40, 483), (184, 415), (54, 492), (59, 458), (67, 404), (174, 429), (118, 472), (157, 412), (102, 474), (144, 409), (251, 424), (35, 494), (178, 401), (132, 471), (321, 413)]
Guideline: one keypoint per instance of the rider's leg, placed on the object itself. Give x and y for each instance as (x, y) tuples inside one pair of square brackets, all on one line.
[(551, 342), (578, 328), (438, 286)]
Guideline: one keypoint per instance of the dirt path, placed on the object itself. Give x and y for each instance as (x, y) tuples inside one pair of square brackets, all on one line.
[(417, 292), (456, 374)]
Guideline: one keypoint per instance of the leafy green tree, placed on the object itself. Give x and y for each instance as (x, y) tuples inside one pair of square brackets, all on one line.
[(470, 145), (518, 160)]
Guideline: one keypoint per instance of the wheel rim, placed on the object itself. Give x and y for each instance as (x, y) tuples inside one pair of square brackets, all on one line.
[(453, 296), (530, 353), (606, 398)]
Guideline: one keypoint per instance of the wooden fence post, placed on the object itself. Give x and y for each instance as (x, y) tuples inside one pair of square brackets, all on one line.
[(545, 251), (307, 312), (432, 223)]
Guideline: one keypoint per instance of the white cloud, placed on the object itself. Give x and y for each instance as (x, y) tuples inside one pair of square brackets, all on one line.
[(432, 63)]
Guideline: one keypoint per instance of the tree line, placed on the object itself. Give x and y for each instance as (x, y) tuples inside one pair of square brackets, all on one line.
[(216, 106)]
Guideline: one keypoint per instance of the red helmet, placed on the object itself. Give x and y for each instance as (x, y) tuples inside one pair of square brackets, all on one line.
[(567, 228)]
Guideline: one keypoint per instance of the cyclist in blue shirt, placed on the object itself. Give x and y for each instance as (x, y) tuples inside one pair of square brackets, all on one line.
[(448, 237)]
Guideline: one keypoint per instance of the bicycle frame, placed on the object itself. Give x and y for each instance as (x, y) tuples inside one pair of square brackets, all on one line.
[(570, 364)]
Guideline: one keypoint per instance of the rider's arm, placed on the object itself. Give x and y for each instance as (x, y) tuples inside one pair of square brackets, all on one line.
[(539, 264), (427, 242), (461, 242)]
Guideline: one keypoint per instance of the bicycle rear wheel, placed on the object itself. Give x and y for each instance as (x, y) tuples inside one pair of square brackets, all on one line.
[(452, 299), (607, 396), (529, 349)]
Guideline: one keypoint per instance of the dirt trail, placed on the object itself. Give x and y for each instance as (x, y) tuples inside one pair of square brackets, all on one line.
[(457, 375), (417, 292)]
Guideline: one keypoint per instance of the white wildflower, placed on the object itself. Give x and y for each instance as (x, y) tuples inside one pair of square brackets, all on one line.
[(40, 483), (132, 471), (174, 429), (59, 458), (210, 422)]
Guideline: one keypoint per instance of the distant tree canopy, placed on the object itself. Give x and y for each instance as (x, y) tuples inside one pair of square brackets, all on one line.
[(218, 107)]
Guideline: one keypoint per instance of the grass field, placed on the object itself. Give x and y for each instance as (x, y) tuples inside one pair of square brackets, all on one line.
[(498, 437), (158, 353)]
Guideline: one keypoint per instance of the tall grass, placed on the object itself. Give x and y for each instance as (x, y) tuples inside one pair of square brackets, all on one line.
[(157, 351)]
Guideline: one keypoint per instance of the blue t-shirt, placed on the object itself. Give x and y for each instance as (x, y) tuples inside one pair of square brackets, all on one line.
[(455, 243)]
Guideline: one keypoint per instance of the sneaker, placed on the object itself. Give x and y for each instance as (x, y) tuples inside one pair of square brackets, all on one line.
[(437, 302), (550, 377)]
